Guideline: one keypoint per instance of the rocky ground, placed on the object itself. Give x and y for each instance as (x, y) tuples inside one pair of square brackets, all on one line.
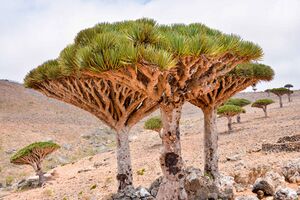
[(84, 168)]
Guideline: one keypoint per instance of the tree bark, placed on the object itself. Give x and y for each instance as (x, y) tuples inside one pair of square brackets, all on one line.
[(229, 124), (172, 186), (289, 97), (40, 173), (280, 101), (124, 175), (238, 118), (211, 167), (265, 111)]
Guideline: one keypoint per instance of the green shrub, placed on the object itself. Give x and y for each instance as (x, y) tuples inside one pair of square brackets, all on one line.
[(262, 102), (238, 102), (230, 110), (153, 123)]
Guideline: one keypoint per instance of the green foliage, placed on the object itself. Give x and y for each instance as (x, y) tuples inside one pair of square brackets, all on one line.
[(254, 71), (93, 187), (238, 102), (141, 172), (9, 180), (280, 91), (230, 110), (109, 46), (262, 102), (30, 148), (153, 123)]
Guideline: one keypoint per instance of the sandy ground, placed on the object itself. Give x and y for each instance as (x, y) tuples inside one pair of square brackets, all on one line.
[(145, 147)]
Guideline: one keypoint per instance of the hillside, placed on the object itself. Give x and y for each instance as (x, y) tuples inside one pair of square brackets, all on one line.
[(27, 116)]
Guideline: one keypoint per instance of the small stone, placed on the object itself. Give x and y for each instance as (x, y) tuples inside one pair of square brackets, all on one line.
[(249, 197), (67, 147), (235, 157), (285, 194)]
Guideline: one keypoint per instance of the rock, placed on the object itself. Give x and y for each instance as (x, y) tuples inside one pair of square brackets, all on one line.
[(285, 194), (1, 185), (291, 171), (153, 189), (225, 187), (10, 151), (63, 160), (293, 138), (31, 182), (235, 157), (86, 136), (67, 147), (249, 197), (84, 170), (142, 192), (239, 187), (129, 193), (281, 147), (267, 185)]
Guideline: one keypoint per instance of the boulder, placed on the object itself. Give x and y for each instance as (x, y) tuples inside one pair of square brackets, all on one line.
[(235, 157), (153, 189), (267, 185), (249, 197), (130, 193), (285, 194), (291, 171)]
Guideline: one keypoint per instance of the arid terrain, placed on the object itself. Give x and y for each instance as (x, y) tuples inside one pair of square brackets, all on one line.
[(85, 166)]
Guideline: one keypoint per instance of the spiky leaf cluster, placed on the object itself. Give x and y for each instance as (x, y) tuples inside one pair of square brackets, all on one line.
[(238, 102), (26, 151), (262, 102), (254, 71), (109, 46), (230, 110), (154, 123), (280, 91)]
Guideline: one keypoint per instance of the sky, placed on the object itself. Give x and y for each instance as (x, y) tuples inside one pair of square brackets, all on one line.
[(33, 31)]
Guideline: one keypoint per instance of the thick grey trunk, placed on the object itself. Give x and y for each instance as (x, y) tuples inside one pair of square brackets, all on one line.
[(40, 173), (280, 101), (265, 111), (124, 175), (172, 186), (229, 124), (211, 167), (238, 118), (289, 97)]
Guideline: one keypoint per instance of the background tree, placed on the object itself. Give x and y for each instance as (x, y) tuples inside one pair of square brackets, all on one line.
[(238, 102), (229, 111), (280, 92), (140, 58), (222, 89), (33, 155), (289, 86), (154, 123), (254, 87), (262, 103)]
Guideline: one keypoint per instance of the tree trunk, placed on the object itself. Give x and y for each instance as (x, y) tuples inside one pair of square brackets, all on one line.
[(289, 97), (124, 176), (265, 111), (238, 118), (211, 144), (172, 186), (280, 101), (229, 124), (40, 173)]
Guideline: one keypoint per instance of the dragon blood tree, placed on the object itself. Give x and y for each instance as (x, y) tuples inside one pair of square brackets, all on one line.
[(262, 103), (289, 86), (280, 92), (230, 111), (154, 123), (222, 89), (33, 155), (121, 72), (238, 102)]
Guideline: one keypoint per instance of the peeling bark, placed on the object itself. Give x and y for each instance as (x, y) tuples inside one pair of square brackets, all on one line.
[(210, 143), (124, 175), (172, 186)]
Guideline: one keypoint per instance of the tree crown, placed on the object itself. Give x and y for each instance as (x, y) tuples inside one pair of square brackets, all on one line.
[(28, 150), (280, 91), (154, 123), (288, 86), (109, 46), (254, 71), (230, 110), (238, 102), (262, 102)]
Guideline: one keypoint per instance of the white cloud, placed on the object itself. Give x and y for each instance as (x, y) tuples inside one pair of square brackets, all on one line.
[(34, 31)]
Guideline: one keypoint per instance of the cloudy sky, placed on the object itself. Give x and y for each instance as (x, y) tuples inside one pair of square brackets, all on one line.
[(33, 31)]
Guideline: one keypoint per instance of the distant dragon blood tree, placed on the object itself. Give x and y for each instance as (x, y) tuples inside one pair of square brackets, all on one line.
[(121, 72), (289, 86), (154, 123), (262, 103), (280, 92), (33, 155), (222, 89), (230, 111), (238, 102)]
